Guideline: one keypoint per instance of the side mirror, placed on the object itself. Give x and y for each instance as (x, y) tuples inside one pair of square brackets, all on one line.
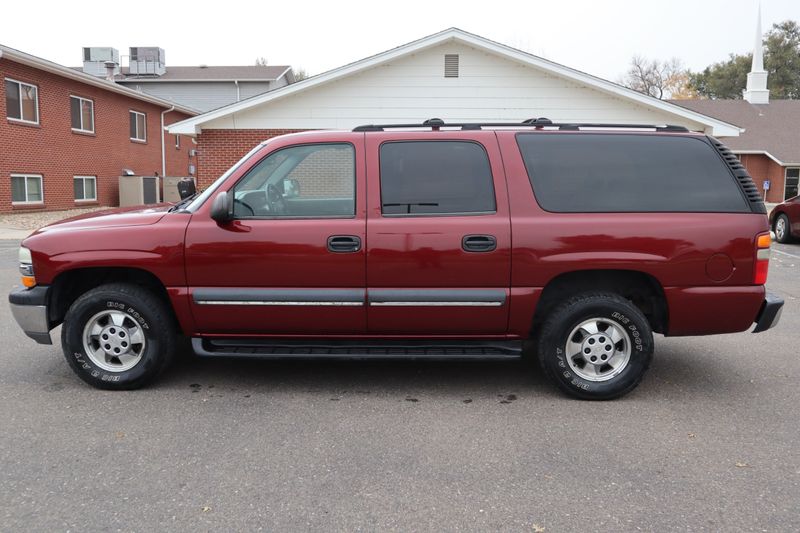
[(222, 208), (291, 188)]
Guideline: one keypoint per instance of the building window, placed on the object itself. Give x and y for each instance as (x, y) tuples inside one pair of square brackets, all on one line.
[(26, 189), (138, 126), (177, 142), (22, 101), (82, 111), (792, 179), (85, 188)]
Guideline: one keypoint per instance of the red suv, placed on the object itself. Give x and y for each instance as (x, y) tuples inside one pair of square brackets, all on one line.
[(433, 240)]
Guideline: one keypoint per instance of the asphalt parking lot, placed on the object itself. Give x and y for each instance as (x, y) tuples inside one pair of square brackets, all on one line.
[(709, 441)]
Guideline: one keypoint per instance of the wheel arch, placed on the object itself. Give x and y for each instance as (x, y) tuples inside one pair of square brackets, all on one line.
[(69, 285), (641, 288)]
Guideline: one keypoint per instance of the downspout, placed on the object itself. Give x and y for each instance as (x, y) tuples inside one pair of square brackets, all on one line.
[(163, 147), (238, 92)]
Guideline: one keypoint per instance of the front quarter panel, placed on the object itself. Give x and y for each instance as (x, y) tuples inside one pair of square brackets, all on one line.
[(156, 248)]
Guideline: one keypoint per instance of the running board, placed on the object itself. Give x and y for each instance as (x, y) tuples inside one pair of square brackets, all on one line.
[(282, 349)]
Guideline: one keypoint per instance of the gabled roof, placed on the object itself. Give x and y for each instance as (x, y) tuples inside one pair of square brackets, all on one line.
[(213, 73), (17, 56), (194, 125), (770, 129)]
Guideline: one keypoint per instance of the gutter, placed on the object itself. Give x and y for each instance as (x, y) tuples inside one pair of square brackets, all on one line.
[(163, 146)]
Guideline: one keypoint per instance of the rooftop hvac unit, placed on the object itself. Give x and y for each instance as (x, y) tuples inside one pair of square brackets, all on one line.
[(138, 190), (147, 60), (95, 59)]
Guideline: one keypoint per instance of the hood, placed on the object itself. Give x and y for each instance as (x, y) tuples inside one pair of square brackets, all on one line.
[(121, 216)]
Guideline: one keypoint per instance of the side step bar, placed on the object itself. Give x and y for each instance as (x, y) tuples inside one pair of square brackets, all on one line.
[(332, 349)]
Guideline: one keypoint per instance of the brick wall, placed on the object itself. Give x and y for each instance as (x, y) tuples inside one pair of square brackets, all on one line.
[(218, 150), (52, 150), (763, 168)]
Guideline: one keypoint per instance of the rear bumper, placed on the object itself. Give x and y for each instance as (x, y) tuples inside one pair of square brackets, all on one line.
[(770, 313), (29, 307)]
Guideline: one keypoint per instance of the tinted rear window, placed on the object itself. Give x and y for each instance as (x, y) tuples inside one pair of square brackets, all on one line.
[(631, 173), (435, 178)]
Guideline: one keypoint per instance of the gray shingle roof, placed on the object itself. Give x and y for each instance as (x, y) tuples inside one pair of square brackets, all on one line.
[(772, 128), (210, 73)]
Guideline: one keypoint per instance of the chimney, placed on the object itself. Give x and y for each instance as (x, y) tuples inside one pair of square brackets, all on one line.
[(756, 92), (111, 68)]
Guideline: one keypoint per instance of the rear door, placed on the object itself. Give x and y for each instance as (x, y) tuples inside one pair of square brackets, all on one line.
[(292, 261), (438, 234)]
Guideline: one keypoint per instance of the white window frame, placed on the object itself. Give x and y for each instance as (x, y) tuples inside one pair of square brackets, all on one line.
[(19, 93), (26, 201), (83, 179), (144, 133), (81, 99)]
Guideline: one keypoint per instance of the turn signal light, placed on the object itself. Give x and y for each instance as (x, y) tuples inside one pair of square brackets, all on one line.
[(29, 281), (763, 242)]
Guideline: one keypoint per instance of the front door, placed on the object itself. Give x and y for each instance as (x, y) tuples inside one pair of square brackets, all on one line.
[(292, 262), (438, 235)]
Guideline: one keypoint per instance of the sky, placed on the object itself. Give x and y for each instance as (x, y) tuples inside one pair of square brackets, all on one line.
[(598, 37)]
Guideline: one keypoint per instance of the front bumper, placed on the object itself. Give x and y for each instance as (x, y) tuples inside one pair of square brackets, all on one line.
[(29, 307), (770, 313)]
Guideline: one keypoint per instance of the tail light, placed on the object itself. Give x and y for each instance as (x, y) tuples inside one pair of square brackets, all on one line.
[(763, 242)]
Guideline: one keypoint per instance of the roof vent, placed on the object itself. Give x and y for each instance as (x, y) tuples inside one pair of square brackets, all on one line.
[(451, 65)]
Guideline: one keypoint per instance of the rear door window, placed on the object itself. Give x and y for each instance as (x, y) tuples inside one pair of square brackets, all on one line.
[(435, 178), (597, 173)]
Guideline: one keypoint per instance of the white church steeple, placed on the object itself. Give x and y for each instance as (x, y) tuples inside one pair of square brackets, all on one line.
[(756, 92)]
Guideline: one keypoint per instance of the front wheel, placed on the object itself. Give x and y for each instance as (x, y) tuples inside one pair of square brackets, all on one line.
[(596, 346), (118, 336), (782, 232)]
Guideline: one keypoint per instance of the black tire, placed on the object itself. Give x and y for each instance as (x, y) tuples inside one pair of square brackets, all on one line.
[(611, 311), (786, 235), (144, 312)]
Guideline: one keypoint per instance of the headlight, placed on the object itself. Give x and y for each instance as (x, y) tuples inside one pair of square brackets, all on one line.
[(26, 267)]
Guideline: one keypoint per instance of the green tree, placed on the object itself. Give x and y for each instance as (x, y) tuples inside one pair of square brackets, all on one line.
[(725, 79), (782, 60)]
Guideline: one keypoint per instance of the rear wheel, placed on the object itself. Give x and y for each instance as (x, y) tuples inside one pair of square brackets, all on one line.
[(782, 232), (595, 346), (118, 336)]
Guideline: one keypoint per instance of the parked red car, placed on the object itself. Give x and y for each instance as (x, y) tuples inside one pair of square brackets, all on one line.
[(784, 219), (429, 240)]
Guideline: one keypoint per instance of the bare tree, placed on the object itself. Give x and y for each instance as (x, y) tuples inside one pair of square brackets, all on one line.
[(659, 79), (261, 61), (299, 74)]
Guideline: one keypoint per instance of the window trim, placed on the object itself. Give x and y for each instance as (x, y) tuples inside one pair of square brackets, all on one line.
[(80, 108), (25, 177), (83, 179), (19, 92), (786, 179), (431, 214), (298, 217), (138, 139)]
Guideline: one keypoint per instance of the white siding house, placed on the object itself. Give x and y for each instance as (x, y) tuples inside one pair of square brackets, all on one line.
[(492, 82)]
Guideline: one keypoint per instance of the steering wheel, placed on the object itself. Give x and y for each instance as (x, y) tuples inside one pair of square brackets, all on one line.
[(275, 200), (245, 206)]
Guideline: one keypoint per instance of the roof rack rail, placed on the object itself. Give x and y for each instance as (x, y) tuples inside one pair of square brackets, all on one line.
[(539, 123)]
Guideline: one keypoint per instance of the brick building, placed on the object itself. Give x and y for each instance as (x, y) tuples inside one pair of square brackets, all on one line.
[(67, 136), (453, 75)]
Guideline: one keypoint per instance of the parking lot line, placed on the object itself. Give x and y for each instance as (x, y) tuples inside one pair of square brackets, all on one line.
[(786, 253)]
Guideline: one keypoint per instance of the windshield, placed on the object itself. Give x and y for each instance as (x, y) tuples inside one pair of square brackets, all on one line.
[(199, 200)]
